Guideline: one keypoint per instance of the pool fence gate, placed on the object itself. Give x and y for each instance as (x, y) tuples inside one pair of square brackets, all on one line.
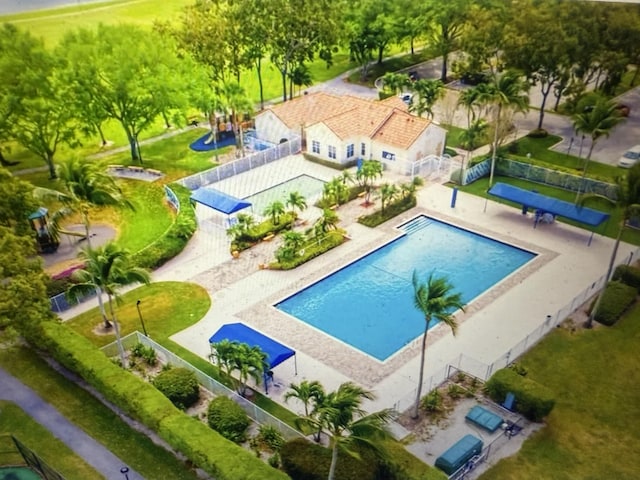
[(166, 356), (11, 449)]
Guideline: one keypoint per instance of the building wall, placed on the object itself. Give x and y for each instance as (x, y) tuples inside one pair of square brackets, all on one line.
[(269, 127)]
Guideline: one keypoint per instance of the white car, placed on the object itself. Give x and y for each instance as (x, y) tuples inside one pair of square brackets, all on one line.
[(630, 158)]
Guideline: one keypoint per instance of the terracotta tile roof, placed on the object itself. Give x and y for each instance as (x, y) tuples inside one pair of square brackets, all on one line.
[(401, 129), (387, 121)]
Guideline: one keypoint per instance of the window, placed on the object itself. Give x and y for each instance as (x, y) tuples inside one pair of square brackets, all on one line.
[(332, 151), (315, 146), (363, 149), (350, 150)]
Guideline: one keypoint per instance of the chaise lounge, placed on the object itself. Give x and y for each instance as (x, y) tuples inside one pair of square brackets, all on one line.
[(483, 418)]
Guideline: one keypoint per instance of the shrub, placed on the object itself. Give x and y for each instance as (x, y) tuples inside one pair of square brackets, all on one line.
[(271, 437), (392, 210), (533, 400), (538, 133), (304, 460), (455, 391), (628, 275), (332, 239), (228, 419), (432, 401), (617, 297), (329, 163), (179, 385), (148, 354)]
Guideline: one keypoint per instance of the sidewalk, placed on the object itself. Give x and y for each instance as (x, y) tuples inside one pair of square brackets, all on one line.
[(94, 453)]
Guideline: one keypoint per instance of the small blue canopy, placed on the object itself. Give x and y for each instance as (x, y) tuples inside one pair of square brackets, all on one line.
[(549, 204), (218, 200), (239, 332)]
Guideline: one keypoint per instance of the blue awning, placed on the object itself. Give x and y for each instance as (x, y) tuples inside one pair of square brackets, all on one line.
[(239, 332), (549, 204), (218, 200)]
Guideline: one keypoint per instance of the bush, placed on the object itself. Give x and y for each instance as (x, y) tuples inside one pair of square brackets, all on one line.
[(628, 275), (304, 460), (533, 400), (329, 163), (271, 437), (228, 419), (179, 385), (538, 133), (432, 402), (148, 354), (332, 239), (396, 208), (616, 298)]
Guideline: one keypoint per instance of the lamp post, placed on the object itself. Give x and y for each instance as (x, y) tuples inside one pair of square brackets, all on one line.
[(144, 330), (124, 471)]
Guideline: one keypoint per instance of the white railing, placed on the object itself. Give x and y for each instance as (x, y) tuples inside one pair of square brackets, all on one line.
[(167, 356)]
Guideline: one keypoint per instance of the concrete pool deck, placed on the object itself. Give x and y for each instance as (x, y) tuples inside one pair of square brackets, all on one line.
[(492, 325)]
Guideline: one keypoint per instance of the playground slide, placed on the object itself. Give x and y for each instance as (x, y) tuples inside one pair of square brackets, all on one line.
[(72, 233)]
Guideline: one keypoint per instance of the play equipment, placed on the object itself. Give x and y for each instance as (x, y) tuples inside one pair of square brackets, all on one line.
[(48, 241)]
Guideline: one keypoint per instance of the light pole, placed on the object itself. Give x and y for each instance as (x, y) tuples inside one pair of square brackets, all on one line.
[(125, 470), (144, 330)]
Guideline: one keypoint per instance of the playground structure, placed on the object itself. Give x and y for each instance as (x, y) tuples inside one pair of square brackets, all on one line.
[(222, 132), (48, 238)]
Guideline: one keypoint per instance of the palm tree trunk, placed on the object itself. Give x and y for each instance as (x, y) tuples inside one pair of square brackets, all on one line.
[(117, 329), (612, 260), (334, 461), (416, 407), (584, 172), (494, 153)]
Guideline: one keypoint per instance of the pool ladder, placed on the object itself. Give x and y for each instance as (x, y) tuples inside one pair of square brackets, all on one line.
[(416, 224)]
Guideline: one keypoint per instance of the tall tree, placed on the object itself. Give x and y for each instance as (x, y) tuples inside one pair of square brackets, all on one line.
[(131, 74), (504, 91), (236, 103), (307, 392), (296, 201), (628, 200), (436, 301), (107, 269), (300, 29), (596, 117), (446, 22), (274, 210), (349, 426), (256, 32), (428, 92), (395, 83)]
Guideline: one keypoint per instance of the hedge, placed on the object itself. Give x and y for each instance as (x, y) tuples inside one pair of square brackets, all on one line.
[(533, 400), (331, 240), (179, 385), (174, 239), (628, 275), (617, 297), (304, 460), (393, 210), (142, 401)]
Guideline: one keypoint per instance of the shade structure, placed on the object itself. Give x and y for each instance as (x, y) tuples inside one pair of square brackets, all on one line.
[(551, 205), (219, 201), (239, 332)]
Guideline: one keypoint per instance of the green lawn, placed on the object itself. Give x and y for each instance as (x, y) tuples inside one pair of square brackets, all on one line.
[(81, 408), (591, 433), (14, 421), (609, 228)]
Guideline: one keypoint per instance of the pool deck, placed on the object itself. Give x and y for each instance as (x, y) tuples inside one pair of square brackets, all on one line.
[(492, 325)]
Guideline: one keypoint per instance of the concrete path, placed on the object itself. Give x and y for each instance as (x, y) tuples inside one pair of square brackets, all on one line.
[(94, 453)]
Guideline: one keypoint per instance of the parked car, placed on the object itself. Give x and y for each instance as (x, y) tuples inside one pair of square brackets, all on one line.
[(630, 157), (406, 97)]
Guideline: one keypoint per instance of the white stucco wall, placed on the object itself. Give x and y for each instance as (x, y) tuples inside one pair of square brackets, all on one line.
[(269, 127)]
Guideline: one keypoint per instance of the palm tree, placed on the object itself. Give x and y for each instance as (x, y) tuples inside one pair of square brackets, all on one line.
[(296, 201), (469, 99), (107, 269), (436, 301), (596, 120), (222, 351), (395, 83), (235, 99), (348, 425), (336, 191), (328, 221), (306, 392), (274, 210), (388, 192), (370, 170), (503, 91), (469, 138), (291, 247), (299, 76), (628, 200), (250, 362), (429, 91)]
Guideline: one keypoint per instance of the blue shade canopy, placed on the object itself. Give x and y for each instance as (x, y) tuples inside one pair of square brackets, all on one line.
[(552, 205), (218, 200), (239, 332)]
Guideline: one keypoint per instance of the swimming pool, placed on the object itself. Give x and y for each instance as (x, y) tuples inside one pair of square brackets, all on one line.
[(369, 303), (309, 187), (18, 473)]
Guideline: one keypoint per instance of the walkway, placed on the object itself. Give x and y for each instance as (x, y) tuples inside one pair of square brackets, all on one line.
[(94, 453)]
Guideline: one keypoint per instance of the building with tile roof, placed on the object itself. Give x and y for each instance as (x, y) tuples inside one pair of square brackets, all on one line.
[(343, 129)]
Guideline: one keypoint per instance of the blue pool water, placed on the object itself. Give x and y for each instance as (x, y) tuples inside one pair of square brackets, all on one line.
[(309, 187), (369, 303)]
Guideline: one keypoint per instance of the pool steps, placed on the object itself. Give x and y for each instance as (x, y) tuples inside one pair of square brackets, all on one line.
[(416, 224)]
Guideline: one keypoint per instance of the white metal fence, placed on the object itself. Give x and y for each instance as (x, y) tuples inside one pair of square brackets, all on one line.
[(244, 164), (256, 413), (482, 370)]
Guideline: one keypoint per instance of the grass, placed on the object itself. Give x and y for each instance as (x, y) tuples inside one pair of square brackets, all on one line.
[(590, 435), (608, 228), (81, 408), (453, 135), (14, 421)]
